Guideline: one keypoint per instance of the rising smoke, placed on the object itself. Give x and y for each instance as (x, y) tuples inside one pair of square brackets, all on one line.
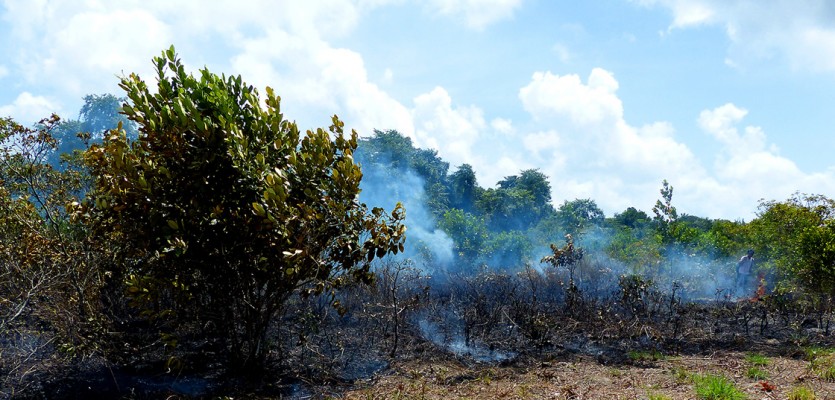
[(383, 187), (673, 273)]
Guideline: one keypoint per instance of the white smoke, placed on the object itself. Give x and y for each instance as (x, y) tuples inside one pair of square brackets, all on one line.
[(384, 187)]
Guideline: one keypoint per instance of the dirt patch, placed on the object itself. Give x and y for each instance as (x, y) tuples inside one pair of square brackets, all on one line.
[(584, 377)]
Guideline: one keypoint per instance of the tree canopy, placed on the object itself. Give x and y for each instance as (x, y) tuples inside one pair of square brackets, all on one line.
[(222, 204)]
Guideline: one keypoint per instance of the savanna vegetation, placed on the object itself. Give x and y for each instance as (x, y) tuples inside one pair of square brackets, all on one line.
[(189, 240)]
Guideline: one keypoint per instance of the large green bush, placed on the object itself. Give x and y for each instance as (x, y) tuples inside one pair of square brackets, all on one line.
[(222, 209)]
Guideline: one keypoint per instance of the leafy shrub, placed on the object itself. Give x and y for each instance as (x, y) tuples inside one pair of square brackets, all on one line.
[(222, 209)]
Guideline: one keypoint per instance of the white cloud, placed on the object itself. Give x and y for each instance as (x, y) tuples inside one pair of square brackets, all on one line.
[(562, 52), (801, 32), (453, 131), (720, 123), (591, 151), (317, 80), (80, 48), (476, 14), (388, 76), (28, 109), (747, 168), (583, 103), (547, 148), (502, 125)]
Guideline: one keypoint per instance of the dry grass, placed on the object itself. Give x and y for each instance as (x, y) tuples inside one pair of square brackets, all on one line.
[(585, 378)]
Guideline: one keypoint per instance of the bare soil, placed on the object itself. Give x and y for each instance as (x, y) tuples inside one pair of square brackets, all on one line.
[(585, 377)]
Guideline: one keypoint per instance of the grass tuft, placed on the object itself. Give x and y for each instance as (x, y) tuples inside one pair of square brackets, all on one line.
[(801, 393), (756, 373), (658, 396), (681, 375), (645, 355), (810, 353), (716, 387), (757, 360), (822, 362)]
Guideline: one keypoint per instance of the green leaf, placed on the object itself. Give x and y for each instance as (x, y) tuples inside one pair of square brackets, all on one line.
[(259, 209)]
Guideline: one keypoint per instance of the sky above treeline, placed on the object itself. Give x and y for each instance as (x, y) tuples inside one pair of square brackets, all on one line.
[(731, 101)]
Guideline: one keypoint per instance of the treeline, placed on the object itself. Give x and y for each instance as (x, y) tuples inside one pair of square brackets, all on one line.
[(513, 224)]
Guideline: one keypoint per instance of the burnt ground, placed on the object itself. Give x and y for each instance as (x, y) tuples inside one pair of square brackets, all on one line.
[(588, 376), (523, 336)]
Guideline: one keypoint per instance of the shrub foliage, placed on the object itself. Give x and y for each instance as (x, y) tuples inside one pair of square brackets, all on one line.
[(222, 208)]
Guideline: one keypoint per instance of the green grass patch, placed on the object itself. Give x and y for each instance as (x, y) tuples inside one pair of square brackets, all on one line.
[(801, 393), (810, 353), (822, 362), (645, 355), (757, 360), (657, 396), (756, 373), (681, 375), (825, 369), (716, 387)]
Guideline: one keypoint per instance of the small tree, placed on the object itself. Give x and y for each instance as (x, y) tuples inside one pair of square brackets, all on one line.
[(665, 214), (221, 209), (577, 215), (51, 288), (798, 236), (567, 257)]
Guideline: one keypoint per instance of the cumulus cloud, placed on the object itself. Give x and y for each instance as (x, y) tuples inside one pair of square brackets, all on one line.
[(591, 151), (83, 47), (461, 134), (800, 32), (452, 130), (589, 103), (476, 14), (28, 109), (318, 80), (720, 123), (748, 167)]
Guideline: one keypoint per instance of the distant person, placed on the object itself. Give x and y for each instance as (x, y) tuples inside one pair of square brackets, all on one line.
[(743, 272)]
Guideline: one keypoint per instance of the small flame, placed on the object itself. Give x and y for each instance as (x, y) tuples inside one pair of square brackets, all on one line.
[(760, 288)]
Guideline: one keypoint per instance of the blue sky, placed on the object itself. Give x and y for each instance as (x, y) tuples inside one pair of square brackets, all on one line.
[(729, 100)]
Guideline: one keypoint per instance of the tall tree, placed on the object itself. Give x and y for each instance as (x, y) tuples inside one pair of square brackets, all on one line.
[(463, 188), (533, 181), (632, 218), (520, 202), (99, 114), (579, 214), (665, 215)]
